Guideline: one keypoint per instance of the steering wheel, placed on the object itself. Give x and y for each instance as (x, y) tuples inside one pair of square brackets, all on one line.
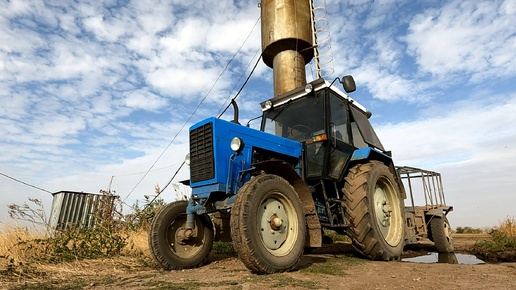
[(302, 128)]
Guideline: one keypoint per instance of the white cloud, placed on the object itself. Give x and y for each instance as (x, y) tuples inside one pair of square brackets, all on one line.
[(180, 82), (385, 85), (455, 133), (141, 99), (473, 37)]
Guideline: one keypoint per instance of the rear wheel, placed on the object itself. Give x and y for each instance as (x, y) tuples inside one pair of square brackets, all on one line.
[(375, 209), (167, 241), (268, 225), (442, 234)]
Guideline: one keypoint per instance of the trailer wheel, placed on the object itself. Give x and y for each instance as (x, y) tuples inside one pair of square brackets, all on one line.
[(375, 209), (442, 234), (268, 225), (167, 243)]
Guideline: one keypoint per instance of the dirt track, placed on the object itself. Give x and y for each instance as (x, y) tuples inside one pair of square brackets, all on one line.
[(332, 268)]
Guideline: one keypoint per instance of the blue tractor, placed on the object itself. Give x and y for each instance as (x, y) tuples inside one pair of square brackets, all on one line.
[(316, 163)]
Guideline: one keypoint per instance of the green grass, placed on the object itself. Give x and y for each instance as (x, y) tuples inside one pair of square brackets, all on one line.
[(333, 267), (335, 237), (74, 285), (192, 285), (223, 248), (282, 280)]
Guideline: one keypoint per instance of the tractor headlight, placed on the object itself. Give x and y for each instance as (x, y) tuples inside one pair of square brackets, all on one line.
[(309, 88), (267, 105), (187, 159), (237, 144)]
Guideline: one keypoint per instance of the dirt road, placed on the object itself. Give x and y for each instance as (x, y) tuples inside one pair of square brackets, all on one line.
[(330, 268)]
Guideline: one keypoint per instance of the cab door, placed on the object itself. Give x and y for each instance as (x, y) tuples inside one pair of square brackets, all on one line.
[(340, 148)]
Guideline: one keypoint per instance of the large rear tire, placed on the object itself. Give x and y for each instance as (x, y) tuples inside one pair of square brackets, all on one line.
[(375, 209), (169, 249), (442, 234), (268, 225)]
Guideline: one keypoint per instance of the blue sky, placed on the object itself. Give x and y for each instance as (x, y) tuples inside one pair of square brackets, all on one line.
[(95, 89)]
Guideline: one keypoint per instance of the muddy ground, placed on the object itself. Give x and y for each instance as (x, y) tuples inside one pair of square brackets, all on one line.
[(334, 267)]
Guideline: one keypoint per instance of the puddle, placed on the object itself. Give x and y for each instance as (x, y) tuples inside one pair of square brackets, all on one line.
[(450, 258)]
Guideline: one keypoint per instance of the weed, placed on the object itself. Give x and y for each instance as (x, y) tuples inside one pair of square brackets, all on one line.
[(34, 214)]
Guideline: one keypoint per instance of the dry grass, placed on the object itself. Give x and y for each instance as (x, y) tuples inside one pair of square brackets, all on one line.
[(508, 227), (137, 242), (19, 252), (13, 249)]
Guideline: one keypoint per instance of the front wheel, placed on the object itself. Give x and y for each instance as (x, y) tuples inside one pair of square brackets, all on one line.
[(375, 209), (268, 225), (168, 243), (441, 234)]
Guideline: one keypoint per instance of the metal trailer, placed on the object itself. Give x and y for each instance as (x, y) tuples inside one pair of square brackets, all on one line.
[(426, 221)]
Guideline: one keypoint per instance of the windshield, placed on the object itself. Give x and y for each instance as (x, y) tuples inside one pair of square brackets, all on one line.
[(297, 120)]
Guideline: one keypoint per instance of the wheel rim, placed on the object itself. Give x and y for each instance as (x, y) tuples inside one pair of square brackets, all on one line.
[(447, 231), (184, 249), (387, 212), (277, 224)]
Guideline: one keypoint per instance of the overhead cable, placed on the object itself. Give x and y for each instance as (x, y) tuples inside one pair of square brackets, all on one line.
[(25, 183)]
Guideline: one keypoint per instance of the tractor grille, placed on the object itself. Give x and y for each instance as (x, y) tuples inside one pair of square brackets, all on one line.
[(201, 153)]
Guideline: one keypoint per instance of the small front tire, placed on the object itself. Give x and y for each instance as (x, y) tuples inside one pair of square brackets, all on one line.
[(169, 249), (442, 234)]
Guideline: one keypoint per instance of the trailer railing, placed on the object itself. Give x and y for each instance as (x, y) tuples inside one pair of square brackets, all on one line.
[(431, 183)]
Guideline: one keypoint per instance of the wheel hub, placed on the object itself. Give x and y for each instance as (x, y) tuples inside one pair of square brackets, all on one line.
[(276, 223), (383, 210), (448, 232), (183, 235), (273, 223)]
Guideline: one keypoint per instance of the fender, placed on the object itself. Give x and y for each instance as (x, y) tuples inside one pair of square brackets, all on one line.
[(286, 171), (440, 211), (368, 153)]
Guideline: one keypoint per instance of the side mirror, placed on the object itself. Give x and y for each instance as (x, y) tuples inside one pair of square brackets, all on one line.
[(349, 84)]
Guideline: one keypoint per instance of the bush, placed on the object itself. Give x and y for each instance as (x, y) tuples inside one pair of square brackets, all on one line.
[(468, 230), (143, 214), (503, 238), (83, 243)]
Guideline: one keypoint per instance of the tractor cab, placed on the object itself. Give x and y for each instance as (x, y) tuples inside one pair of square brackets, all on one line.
[(330, 125)]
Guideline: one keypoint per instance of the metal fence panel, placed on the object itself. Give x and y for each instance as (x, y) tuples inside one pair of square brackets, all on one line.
[(79, 209)]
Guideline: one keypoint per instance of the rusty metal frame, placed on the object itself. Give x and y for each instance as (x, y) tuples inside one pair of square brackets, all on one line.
[(432, 186)]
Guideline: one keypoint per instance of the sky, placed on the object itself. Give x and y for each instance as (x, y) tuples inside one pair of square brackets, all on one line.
[(94, 94)]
